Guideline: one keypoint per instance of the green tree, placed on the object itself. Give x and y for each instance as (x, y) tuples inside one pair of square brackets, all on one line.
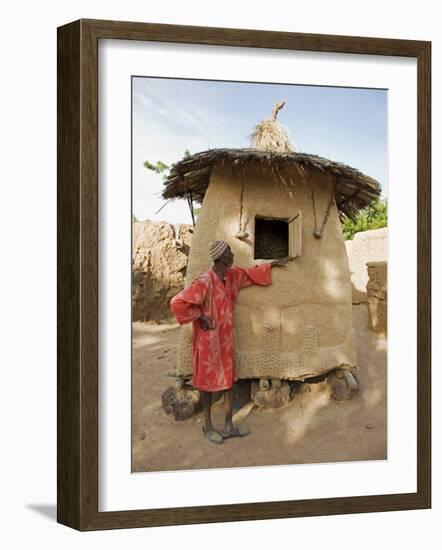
[(159, 168), (162, 168), (374, 216)]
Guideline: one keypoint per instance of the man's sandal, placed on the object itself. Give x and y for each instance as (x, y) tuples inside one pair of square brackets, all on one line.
[(213, 436), (235, 432)]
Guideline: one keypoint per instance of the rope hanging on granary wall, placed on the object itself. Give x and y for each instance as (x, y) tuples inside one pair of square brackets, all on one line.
[(318, 232), (241, 234)]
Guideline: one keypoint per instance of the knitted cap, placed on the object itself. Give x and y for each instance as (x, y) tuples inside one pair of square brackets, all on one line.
[(217, 249)]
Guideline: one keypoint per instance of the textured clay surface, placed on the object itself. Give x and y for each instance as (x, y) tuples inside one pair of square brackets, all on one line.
[(301, 325), (367, 246), (377, 290), (159, 262)]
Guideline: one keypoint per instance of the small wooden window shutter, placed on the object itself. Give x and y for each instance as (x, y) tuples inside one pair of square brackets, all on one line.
[(295, 235)]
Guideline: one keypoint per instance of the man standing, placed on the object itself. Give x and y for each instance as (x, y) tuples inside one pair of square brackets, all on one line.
[(208, 304)]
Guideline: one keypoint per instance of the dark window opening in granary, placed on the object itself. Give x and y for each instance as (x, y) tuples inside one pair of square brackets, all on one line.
[(271, 238)]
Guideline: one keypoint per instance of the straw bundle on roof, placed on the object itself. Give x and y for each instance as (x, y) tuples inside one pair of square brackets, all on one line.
[(190, 177), (269, 135)]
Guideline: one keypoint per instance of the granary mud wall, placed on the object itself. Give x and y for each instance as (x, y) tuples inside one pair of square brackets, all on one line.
[(367, 246), (154, 283), (159, 260), (301, 325)]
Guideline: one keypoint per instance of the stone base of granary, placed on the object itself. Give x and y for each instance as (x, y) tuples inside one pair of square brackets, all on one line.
[(275, 396), (181, 401), (343, 384)]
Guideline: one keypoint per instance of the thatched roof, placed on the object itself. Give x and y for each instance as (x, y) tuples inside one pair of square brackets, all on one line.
[(190, 176)]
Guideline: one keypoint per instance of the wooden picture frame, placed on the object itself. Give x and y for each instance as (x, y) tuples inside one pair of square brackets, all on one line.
[(77, 460)]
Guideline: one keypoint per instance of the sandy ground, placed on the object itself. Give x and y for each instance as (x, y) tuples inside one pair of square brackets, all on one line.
[(312, 428)]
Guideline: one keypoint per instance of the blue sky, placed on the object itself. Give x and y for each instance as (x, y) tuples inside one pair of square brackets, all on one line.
[(347, 125)]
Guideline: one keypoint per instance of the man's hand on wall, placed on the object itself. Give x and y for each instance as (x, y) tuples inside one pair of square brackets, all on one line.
[(282, 262)]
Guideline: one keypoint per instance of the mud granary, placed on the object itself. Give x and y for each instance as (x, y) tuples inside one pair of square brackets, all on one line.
[(269, 202)]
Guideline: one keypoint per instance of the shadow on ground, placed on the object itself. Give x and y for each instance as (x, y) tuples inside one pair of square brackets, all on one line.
[(312, 428)]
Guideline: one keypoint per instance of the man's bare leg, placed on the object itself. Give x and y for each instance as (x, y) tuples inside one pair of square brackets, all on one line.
[(208, 429), (229, 429), (206, 402), (228, 407)]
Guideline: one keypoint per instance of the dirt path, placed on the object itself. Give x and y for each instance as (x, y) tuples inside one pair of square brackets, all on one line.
[(313, 427)]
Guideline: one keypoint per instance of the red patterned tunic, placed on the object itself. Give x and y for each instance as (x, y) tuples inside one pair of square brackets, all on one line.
[(213, 359)]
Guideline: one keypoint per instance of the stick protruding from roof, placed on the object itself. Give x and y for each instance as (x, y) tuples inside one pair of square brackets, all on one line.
[(270, 136)]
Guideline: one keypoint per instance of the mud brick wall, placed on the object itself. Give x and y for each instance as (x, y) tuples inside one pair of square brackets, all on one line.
[(377, 296)]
